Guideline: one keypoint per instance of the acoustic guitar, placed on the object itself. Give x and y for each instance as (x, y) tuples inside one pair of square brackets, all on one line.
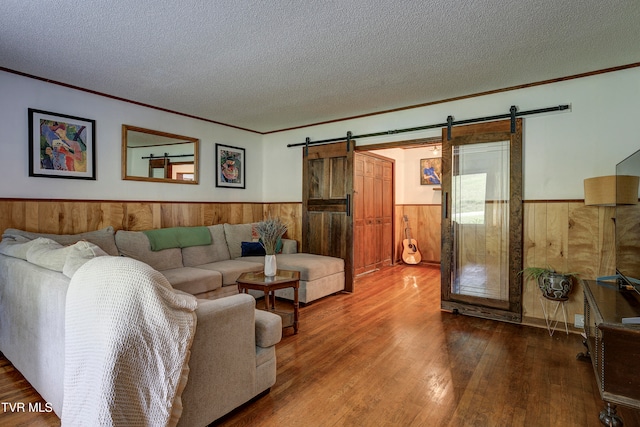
[(410, 252)]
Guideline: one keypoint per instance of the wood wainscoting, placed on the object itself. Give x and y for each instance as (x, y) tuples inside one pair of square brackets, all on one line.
[(566, 235), (569, 237), (73, 216), (425, 229)]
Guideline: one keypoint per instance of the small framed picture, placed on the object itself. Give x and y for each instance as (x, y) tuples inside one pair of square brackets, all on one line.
[(61, 146), (230, 166), (431, 171)]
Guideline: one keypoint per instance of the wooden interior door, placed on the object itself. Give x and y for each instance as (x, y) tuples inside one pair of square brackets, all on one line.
[(482, 220), (373, 212), (327, 190), (388, 208)]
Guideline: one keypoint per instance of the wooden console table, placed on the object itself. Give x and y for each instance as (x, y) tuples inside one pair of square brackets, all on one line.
[(614, 347)]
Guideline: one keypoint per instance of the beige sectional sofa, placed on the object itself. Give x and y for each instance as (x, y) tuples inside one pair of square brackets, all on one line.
[(211, 271), (204, 271), (233, 356)]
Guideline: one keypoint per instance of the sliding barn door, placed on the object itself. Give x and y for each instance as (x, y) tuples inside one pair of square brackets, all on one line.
[(482, 220), (327, 221)]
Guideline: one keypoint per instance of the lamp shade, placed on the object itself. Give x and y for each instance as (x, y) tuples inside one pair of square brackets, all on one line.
[(611, 190)]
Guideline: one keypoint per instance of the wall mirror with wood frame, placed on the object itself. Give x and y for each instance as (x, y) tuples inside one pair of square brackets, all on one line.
[(150, 155)]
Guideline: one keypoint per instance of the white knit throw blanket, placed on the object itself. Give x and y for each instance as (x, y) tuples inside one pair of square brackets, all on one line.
[(127, 339)]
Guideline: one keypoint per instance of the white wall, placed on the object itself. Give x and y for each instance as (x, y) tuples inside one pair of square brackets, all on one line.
[(560, 149), (18, 93), (409, 191)]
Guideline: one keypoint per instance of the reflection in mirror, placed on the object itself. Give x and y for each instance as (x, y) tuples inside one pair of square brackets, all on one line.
[(149, 155)]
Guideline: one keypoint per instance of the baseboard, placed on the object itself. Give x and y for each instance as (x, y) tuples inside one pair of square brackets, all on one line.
[(540, 323)]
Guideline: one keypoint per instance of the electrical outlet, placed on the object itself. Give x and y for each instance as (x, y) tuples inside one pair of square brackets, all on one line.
[(579, 321)]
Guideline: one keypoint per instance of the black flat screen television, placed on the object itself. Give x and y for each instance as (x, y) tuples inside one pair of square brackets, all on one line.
[(627, 231)]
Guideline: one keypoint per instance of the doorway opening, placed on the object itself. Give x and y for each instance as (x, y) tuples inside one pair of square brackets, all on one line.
[(415, 197)]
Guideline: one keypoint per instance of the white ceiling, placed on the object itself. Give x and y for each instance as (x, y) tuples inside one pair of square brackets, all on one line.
[(274, 64)]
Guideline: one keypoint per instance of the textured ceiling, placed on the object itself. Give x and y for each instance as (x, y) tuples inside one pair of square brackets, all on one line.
[(270, 65)]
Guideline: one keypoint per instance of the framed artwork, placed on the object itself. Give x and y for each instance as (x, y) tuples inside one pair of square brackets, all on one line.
[(230, 166), (431, 171), (61, 146)]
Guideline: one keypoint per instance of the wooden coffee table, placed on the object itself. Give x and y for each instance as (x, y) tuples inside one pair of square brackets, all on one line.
[(282, 280)]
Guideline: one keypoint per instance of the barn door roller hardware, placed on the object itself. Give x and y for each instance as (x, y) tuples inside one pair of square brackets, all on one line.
[(166, 156), (513, 113)]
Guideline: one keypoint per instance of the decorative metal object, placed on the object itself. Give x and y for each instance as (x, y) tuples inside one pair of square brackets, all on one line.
[(555, 286)]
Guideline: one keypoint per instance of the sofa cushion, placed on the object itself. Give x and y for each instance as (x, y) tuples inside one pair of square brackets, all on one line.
[(236, 234), (311, 291), (78, 255), (52, 255), (310, 266), (193, 280), (265, 355), (48, 254), (216, 251), (135, 244), (232, 269), (104, 238), (289, 246), (17, 247), (258, 259), (268, 329)]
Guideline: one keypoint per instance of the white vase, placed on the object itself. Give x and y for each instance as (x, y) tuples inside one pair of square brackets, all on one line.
[(270, 267)]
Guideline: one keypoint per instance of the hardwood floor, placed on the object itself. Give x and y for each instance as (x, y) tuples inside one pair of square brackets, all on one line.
[(15, 390), (387, 356)]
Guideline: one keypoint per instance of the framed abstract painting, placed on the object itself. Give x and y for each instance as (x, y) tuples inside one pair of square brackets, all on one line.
[(61, 146), (230, 166)]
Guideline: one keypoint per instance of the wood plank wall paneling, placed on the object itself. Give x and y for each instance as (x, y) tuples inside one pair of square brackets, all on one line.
[(568, 236), (70, 217), (425, 229)]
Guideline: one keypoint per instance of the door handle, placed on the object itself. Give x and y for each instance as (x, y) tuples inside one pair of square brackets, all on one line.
[(348, 208), (445, 205)]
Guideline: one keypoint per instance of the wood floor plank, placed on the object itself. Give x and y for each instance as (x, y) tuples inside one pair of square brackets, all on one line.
[(16, 391), (386, 355)]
